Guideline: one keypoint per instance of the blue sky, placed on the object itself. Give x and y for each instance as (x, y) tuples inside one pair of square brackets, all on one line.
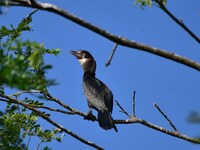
[(174, 87)]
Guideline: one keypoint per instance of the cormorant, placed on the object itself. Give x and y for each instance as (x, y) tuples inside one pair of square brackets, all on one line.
[(98, 95)]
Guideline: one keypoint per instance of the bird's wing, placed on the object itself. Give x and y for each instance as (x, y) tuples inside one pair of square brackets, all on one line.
[(98, 94)]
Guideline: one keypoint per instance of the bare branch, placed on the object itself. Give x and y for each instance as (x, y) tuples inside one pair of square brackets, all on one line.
[(178, 21), (133, 104), (165, 116), (74, 111), (34, 11), (175, 133), (122, 109), (45, 117), (116, 39), (4, 100), (54, 109), (111, 55), (17, 94), (158, 128)]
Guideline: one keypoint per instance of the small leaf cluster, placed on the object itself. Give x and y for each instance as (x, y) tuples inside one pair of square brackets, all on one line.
[(149, 3), (14, 33)]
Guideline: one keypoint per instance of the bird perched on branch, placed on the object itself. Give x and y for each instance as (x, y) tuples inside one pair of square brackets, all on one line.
[(98, 95)]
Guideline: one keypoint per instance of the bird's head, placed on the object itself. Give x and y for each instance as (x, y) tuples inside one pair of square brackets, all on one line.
[(86, 60)]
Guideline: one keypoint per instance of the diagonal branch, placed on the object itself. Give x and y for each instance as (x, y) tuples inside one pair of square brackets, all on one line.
[(111, 55), (74, 111), (175, 133), (45, 117), (122, 109), (51, 98), (165, 116), (178, 21), (158, 128), (116, 39)]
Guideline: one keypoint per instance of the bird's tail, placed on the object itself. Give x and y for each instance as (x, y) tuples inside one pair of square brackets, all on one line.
[(106, 121)]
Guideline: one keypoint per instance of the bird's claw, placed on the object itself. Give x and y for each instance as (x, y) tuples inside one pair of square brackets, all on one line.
[(90, 117)]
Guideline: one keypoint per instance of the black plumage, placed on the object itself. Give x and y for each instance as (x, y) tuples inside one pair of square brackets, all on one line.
[(98, 95)]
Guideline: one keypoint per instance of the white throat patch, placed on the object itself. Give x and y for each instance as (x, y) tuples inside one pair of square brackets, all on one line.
[(83, 61), (87, 65)]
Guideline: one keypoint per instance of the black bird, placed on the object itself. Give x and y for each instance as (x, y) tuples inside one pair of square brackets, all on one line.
[(98, 95)]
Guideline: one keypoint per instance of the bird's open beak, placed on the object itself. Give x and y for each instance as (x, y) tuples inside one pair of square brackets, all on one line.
[(77, 55)]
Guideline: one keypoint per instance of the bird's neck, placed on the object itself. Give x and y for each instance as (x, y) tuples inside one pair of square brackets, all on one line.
[(92, 74), (88, 65)]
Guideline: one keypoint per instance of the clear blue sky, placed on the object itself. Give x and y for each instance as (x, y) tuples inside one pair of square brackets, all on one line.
[(174, 87)]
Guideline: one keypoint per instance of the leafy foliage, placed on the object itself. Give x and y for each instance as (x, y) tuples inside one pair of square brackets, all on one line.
[(22, 66), (21, 63), (18, 123), (13, 33)]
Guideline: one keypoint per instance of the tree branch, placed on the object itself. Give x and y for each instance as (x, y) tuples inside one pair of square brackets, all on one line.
[(176, 134), (131, 120), (178, 21), (74, 111), (111, 55), (133, 103), (122, 109), (158, 128), (165, 116), (53, 109), (45, 117), (48, 96), (116, 39)]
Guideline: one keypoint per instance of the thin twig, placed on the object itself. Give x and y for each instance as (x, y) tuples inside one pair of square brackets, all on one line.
[(27, 91), (165, 116), (34, 11), (178, 21), (122, 109), (27, 145), (55, 109), (133, 102), (39, 145), (4, 100), (50, 97), (111, 55)]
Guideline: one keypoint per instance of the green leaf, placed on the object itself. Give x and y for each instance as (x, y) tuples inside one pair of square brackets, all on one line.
[(23, 25), (36, 59), (53, 51), (149, 3), (143, 3), (5, 32)]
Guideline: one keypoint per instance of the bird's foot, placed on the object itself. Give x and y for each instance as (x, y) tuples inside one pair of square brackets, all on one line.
[(90, 117)]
